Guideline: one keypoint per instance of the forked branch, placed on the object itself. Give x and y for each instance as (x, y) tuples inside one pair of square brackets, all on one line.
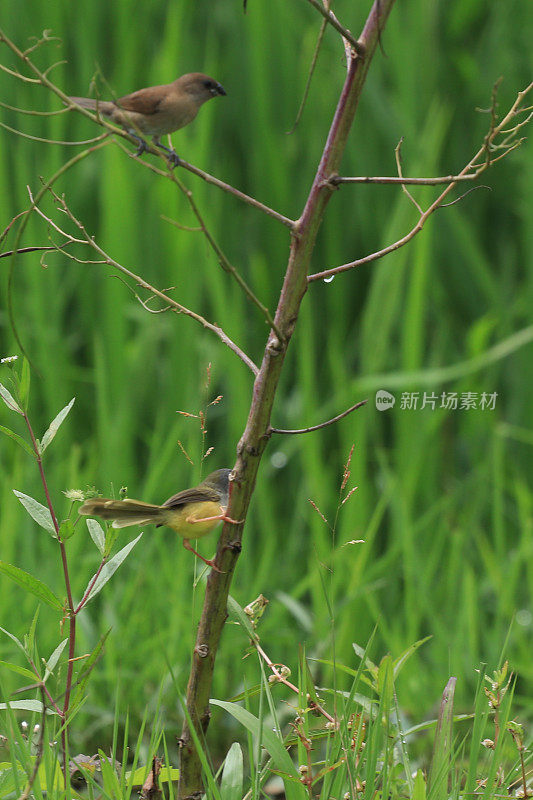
[(491, 151)]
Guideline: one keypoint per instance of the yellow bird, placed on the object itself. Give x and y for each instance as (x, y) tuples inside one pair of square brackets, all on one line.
[(192, 513)]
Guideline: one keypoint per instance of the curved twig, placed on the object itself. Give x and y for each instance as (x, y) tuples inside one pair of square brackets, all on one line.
[(175, 306), (322, 424)]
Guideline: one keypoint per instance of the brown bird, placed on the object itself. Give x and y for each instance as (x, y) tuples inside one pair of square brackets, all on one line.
[(158, 109)]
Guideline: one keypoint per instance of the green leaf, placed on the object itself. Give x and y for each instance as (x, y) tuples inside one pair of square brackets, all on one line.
[(109, 776), (27, 705), (97, 534), (55, 425), (66, 530), (18, 439), (31, 584), (9, 400), (419, 787), (232, 775), (386, 681), (166, 775), (26, 673), (275, 747), (54, 658), (400, 661), (37, 511), (111, 537), (441, 761), (29, 638), (242, 617), (8, 784), (24, 386), (14, 639), (108, 570)]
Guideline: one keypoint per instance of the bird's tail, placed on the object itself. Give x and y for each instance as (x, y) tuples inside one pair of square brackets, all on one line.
[(103, 106), (123, 512)]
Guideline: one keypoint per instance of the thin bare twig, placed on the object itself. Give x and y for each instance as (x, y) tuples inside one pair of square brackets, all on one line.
[(405, 190), (479, 163), (336, 180), (223, 260), (226, 187), (310, 74), (144, 303), (13, 72), (27, 250), (358, 47), (282, 679), (107, 259), (53, 141), (180, 227), (33, 113), (322, 424)]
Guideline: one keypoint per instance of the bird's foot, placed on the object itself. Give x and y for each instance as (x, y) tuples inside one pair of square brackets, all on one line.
[(222, 517), (173, 157), (209, 561), (142, 147)]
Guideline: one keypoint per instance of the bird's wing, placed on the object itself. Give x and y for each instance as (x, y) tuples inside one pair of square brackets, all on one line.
[(195, 495), (145, 101)]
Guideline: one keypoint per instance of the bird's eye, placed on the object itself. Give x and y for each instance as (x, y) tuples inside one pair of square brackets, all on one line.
[(209, 84)]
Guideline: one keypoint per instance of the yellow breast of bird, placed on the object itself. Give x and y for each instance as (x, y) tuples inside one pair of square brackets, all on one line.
[(193, 520)]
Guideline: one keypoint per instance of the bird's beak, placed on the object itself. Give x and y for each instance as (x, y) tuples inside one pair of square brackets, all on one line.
[(218, 89)]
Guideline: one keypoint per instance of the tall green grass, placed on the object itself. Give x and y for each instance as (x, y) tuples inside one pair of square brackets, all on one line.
[(444, 498)]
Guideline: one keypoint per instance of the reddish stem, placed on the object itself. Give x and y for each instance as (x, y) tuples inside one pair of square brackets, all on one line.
[(70, 603)]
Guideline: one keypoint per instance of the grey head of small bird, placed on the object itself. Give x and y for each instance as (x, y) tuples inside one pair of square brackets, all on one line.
[(219, 481)]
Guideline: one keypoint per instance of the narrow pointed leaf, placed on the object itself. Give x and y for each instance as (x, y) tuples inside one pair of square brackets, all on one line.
[(272, 743), (31, 584), (97, 534), (26, 673), (109, 569), (55, 425), (26, 705), (400, 661), (54, 658), (419, 787), (24, 387), (18, 439), (9, 400), (232, 774), (29, 638), (37, 511), (14, 639), (237, 611), (442, 748)]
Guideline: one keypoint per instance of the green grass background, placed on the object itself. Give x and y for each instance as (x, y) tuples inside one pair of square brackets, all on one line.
[(444, 499)]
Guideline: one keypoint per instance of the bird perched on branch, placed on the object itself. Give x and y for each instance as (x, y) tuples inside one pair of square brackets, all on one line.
[(158, 109), (192, 513)]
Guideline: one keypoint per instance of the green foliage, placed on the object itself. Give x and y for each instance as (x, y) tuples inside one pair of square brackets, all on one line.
[(443, 501)]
